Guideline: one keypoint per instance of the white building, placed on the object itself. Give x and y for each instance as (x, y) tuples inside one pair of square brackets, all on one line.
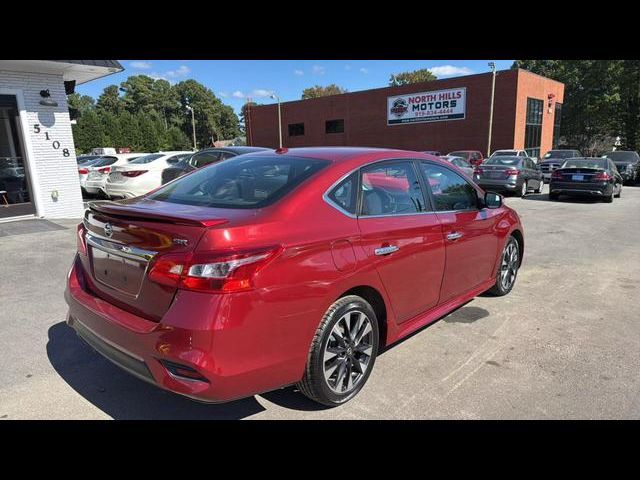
[(38, 169)]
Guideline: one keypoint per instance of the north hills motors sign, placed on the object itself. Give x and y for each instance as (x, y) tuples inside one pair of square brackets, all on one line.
[(433, 106)]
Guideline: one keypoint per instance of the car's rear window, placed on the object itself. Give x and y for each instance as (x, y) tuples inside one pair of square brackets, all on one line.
[(506, 153), (104, 161), (590, 163), (623, 156), (500, 160), (147, 158), (241, 182), (559, 154)]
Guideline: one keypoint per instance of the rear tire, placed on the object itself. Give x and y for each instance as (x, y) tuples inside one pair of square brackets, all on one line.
[(508, 269), (523, 190), (343, 352), (553, 196), (609, 199)]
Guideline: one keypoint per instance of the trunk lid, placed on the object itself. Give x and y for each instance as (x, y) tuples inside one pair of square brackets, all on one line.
[(577, 174), (494, 171), (124, 239)]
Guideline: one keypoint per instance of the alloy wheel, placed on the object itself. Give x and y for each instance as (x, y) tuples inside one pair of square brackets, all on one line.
[(509, 266), (347, 354)]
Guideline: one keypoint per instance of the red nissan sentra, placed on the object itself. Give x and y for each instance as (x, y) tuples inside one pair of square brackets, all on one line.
[(293, 267)]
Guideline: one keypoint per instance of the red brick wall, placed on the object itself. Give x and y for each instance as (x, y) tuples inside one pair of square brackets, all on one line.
[(365, 118), (531, 85)]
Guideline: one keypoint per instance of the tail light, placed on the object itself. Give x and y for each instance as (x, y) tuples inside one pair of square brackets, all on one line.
[(81, 242), (512, 171), (556, 175), (104, 169), (221, 272), (133, 173), (601, 177), (83, 171)]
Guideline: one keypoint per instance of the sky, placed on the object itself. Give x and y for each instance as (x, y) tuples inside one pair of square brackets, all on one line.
[(234, 81)]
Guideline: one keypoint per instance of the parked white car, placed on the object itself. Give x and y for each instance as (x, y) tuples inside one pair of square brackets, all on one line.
[(98, 172), (141, 175)]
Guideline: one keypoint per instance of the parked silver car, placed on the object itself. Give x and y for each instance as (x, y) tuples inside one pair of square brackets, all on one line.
[(461, 163)]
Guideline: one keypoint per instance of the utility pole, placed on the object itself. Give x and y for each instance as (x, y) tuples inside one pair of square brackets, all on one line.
[(193, 126), (493, 90), (275, 97)]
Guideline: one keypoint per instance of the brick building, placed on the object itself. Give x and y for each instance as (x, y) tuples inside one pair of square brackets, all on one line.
[(444, 115), (38, 169)]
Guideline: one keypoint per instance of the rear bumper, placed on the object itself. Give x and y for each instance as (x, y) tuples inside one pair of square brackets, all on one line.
[(507, 185), (94, 186), (115, 190), (238, 356), (589, 189)]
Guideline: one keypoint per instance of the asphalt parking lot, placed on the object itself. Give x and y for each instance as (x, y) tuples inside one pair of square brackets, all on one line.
[(564, 344)]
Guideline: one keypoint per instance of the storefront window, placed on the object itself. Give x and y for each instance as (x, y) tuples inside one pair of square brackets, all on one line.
[(533, 127)]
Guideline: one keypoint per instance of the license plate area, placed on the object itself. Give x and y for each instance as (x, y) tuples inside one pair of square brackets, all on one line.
[(120, 273), (577, 178)]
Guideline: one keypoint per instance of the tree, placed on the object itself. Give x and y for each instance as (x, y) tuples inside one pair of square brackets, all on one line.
[(110, 101), (319, 91), (406, 78), (592, 105), (82, 103), (138, 94)]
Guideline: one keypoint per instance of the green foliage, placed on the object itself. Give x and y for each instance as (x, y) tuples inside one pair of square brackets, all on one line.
[(406, 78), (601, 100), (319, 91), (149, 115)]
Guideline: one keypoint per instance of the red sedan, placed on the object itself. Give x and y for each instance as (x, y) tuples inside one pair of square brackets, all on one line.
[(294, 267)]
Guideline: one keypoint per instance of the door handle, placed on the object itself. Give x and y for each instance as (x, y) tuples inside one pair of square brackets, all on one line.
[(386, 250), (454, 236)]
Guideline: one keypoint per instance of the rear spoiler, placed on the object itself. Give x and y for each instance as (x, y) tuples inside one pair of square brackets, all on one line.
[(130, 211)]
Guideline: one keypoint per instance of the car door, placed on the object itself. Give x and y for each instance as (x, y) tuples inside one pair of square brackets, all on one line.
[(401, 236), (469, 233)]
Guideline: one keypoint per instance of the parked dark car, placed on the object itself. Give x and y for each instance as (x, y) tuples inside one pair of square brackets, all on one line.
[(474, 157), (509, 173), (627, 163), (586, 176), (554, 159), (204, 157)]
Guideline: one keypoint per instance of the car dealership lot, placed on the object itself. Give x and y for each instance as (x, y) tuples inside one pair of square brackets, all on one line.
[(564, 344)]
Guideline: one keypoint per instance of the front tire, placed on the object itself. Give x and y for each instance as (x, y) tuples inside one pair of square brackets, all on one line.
[(343, 352), (508, 269)]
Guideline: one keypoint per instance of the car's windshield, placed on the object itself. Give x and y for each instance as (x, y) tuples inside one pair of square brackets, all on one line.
[(559, 154), (506, 153), (623, 156), (242, 182), (147, 158), (600, 164), (506, 161)]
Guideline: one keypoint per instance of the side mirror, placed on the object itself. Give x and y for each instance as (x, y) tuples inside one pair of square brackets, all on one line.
[(492, 200)]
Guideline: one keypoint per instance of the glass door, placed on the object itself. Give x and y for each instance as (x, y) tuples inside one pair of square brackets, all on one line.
[(15, 186)]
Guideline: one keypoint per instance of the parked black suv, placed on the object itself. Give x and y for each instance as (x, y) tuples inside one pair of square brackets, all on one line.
[(554, 159), (205, 157), (628, 164)]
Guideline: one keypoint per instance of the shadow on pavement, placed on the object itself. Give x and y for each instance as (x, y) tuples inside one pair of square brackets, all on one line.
[(123, 396), (544, 197)]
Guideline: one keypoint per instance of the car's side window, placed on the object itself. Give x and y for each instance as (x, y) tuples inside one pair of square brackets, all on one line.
[(391, 188), (449, 190), (345, 194)]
